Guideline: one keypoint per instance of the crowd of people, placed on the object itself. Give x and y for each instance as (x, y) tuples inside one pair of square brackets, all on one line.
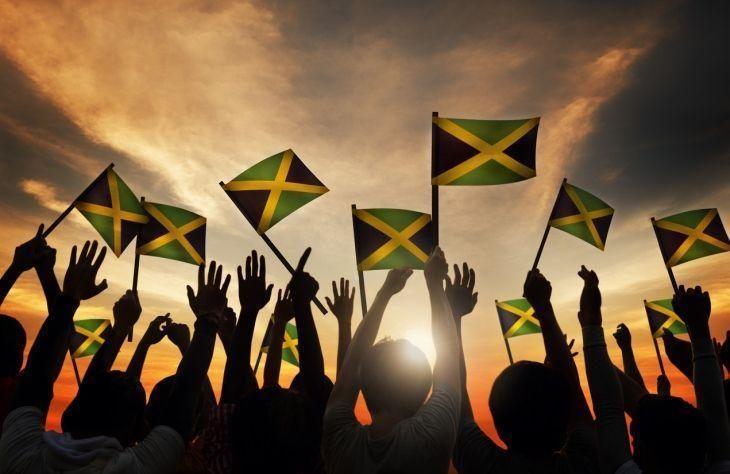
[(422, 419)]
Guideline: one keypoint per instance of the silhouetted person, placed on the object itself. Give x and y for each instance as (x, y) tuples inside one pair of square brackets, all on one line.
[(12, 345), (341, 305)]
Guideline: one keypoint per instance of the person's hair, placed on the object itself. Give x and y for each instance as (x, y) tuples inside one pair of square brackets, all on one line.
[(12, 345), (395, 377), (530, 405), (107, 404), (274, 430), (157, 404), (670, 436)]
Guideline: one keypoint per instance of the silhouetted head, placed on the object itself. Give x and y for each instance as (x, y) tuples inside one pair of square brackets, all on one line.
[(274, 430), (158, 402), (395, 378), (107, 404), (670, 436), (530, 404), (12, 345)]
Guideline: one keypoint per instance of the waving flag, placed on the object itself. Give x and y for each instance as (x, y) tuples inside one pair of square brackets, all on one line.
[(483, 152), (113, 209), (90, 335), (391, 238), (582, 214), (290, 346), (274, 188), (173, 233), (690, 235), (662, 316), (517, 318)]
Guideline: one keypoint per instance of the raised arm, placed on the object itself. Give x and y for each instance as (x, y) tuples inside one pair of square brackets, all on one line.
[(155, 332), (283, 313), (179, 335), (50, 346), (27, 255), (347, 385), (694, 307), (631, 369), (208, 305), (679, 353), (341, 305), (254, 294)]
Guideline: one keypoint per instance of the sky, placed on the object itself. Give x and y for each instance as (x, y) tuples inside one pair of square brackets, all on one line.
[(179, 95)]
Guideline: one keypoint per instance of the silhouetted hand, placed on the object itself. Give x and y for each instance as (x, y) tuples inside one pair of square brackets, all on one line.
[(80, 280), (537, 290), (46, 259), (210, 302), (342, 302), (396, 280), (590, 299), (663, 386), (693, 306), (179, 334), (570, 349), (303, 286), (436, 267), (156, 330), (623, 337), (284, 309), (29, 253), (725, 352), (460, 293), (252, 290), (127, 310)]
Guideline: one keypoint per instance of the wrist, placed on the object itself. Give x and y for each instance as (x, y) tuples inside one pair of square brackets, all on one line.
[(206, 323), (699, 332)]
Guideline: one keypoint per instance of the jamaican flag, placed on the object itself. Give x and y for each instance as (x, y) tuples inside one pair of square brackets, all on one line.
[(662, 316), (173, 233), (290, 347), (113, 209), (517, 318), (89, 336), (690, 235), (482, 152), (582, 214), (391, 238), (272, 189)]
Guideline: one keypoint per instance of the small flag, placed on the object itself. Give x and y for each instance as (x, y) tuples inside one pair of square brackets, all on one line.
[(517, 318), (391, 238), (690, 235), (662, 316), (173, 233), (290, 347), (89, 336), (113, 209), (274, 188), (582, 214), (483, 152)]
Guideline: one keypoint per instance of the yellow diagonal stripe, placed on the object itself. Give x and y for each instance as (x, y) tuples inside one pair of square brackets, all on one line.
[(275, 193), (173, 233), (275, 185), (397, 239), (524, 317), (698, 233), (91, 337), (291, 344), (671, 318), (585, 215), (108, 212)]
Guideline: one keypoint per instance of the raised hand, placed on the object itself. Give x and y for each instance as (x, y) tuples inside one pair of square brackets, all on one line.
[(303, 286), (396, 280), (156, 330), (28, 254), (460, 293), (342, 302), (663, 386), (80, 280), (210, 302), (436, 268), (179, 334), (126, 311), (590, 299), (284, 309), (623, 337), (693, 306), (252, 290), (537, 290)]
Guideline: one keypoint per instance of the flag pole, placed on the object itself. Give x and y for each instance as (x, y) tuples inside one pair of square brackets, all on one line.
[(656, 345), (434, 187), (664, 257), (135, 273), (360, 275), (271, 245), (547, 229), (70, 208), (76, 368)]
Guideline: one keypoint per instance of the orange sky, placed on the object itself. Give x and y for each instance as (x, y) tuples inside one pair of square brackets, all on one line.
[(181, 95)]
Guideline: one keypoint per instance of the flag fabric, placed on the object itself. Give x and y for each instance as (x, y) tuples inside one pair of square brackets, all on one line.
[(689, 235), (113, 209), (290, 346), (274, 188), (173, 233), (89, 336), (662, 316), (582, 214), (517, 318), (483, 152), (391, 238)]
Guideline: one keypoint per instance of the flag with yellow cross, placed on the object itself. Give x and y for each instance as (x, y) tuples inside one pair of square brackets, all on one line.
[(391, 238), (662, 316), (272, 189), (89, 336), (173, 233), (113, 210), (581, 214), (517, 318), (289, 347), (690, 235)]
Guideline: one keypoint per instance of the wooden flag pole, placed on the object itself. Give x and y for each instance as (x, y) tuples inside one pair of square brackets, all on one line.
[(360, 275), (509, 350), (135, 273), (70, 208), (76, 368), (271, 245), (547, 229), (656, 345), (664, 257), (434, 187)]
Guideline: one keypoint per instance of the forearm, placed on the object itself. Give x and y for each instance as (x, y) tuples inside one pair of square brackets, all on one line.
[(446, 370), (631, 391), (104, 359), (238, 377), (679, 353), (467, 413), (710, 397), (631, 369), (49, 284), (8, 280), (273, 355), (311, 361), (137, 362), (344, 336)]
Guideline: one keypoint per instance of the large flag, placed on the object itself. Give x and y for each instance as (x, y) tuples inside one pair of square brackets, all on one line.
[(391, 238), (113, 209), (483, 152), (173, 233), (89, 336), (272, 189), (662, 316), (290, 347), (582, 214), (517, 318), (690, 235)]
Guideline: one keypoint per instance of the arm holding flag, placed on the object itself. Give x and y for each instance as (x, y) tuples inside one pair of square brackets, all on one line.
[(679, 353), (283, 313)]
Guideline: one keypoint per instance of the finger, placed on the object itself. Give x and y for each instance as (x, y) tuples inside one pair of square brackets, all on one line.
[(352, 295), (269, 289), (84, 251), (39, 234), (248, 267), (329, 303), (211, 273), (226, 282), (218, 276), (342, 287), (465, 275), (72, 260), (99, 259), (201, 275), (240, 275), (474, 299), (92, 250), (278, 295), (303, 260), (334, 289), (448, 282), (191, 295), (262, 267), (99, 288), (254, 263), (457, 275), (472, 279)]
